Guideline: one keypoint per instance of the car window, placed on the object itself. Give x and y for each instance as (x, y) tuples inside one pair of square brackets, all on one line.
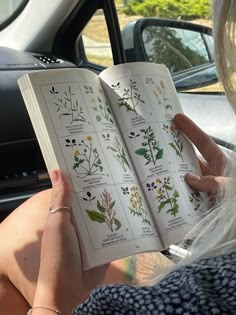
[(192, 53), (9, 9), (96, 41), (178, 49)]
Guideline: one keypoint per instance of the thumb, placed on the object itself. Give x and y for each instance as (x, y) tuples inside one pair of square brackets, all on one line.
[(61, 192), (209, 183)]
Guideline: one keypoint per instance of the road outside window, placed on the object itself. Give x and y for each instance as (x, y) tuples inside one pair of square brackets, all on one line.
[(8, 9)]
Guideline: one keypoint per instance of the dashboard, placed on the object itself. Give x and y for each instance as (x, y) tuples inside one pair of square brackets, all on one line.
[(22, 169)]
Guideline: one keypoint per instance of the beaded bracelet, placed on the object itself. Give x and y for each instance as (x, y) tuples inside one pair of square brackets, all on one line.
[(45, 308)]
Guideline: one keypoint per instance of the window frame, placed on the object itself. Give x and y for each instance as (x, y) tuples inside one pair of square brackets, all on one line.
[(69, 35)]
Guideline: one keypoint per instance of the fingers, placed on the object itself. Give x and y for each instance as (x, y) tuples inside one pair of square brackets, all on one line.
[(206, 146), (61, 192), (210, 181), (209, 184)]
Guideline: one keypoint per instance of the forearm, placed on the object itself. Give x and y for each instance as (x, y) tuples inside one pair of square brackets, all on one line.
[(137, 269)]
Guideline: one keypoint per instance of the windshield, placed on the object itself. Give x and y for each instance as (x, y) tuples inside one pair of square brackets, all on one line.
[(9, 9)]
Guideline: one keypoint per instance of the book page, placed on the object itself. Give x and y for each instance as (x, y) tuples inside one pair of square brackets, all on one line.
[(81, 137), (144, 102)]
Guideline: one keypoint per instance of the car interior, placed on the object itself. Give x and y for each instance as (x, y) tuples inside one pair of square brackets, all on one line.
[(30, 41), (22, 171)]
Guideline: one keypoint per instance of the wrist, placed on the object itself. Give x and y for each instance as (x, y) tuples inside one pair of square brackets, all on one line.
[(41, 310), (56, 299)]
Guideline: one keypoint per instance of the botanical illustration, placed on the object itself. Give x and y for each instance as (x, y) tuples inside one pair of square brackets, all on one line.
[(106, 137), (88, 89), (177, 143), (150, 149), (119, 154), (160, 94), (103, 111), (136, 206), (131, 97), (105, 212), (125, 190), (67, 105), (87, 160), (194, 198), (167, 197), (89, 197), (151, 186), (133, 135), (182, 178), (71, 143)]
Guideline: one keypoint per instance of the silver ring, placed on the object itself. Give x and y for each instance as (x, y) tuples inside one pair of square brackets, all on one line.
[(51, 210)]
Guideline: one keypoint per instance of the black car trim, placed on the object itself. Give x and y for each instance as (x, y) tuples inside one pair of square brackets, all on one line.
[(67, 36)]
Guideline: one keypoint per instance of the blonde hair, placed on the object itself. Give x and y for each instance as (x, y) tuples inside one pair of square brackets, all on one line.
[(216, 233), (224, 31)]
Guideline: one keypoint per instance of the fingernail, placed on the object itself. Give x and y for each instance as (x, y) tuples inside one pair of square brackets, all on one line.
[(54, 175), (192, 177)]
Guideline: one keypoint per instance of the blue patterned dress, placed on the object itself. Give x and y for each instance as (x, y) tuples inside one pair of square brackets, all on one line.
[(207, 287)]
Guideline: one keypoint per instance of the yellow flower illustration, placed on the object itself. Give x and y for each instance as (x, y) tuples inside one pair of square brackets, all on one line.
[(89, 138), (138, 198), (172, 128), (159, 194), (77, 152), (158, 180)]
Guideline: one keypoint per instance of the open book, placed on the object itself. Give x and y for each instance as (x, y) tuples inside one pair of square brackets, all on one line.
[(113, 134)]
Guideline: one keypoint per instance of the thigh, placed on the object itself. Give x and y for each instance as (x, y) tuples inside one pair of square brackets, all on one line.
[(11, 300), (20, 252)]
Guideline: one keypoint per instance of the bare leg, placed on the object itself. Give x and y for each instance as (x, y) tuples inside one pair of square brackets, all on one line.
[(11, 300), (20, 236)]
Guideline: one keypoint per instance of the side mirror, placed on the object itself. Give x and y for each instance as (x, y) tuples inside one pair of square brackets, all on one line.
[(185, 48)]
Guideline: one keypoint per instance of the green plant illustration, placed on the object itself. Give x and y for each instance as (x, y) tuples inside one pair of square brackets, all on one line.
[(103, 111), (67, 106), (131, 98), (160, 94), (167, 196), (136, 206), (106, 212), (87, 161), (119, 154), (177, 144), (150, 147), (194, 198)]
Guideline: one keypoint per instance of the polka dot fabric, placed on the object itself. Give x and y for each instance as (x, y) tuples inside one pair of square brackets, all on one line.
[(207, 287)]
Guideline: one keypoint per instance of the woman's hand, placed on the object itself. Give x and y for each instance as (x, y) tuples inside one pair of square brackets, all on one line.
[(60, 275), (215, 160)]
